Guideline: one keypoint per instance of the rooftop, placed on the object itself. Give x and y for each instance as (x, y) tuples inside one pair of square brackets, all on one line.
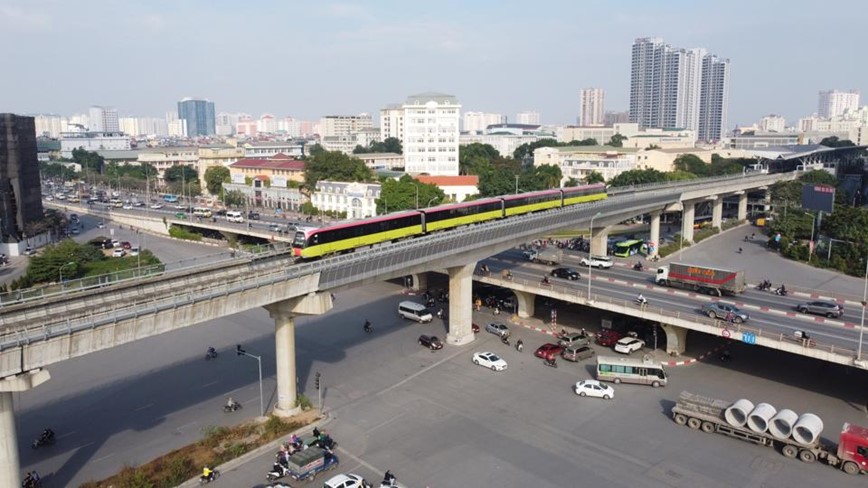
[(596, 149), (251, 163), (423, 98), (461, 180)]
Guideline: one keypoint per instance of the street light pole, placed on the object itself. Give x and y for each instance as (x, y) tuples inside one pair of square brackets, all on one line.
[(516, 184), (864, 303), (60, 270), (590, 252), (241, 352), (429, 201), (417, 196)]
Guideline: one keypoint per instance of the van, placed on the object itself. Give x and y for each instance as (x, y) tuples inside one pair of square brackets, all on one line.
[(415, 311), (574, 339), (234, 216)]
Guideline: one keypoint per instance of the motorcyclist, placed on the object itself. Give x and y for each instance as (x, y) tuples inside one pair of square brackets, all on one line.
[(211, 351), (47, 435), (638, 266), (739, 250), (545, 280), (641, 300), (519, 345), (230, 403), (316, 432), (552, 361), (782, 290), (207, 473), (389, 479), (368, 327), (505, 339)]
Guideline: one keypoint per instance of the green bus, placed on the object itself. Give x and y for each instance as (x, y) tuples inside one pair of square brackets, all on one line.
[(625, 249), (631, 370)]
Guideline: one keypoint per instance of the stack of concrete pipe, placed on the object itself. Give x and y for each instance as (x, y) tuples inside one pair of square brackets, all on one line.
[(805, 429)]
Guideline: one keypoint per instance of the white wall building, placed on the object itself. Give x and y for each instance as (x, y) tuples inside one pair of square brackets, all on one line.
[(356, 199), (456, 188), (344, 125), (579, 161), (266, 124), (224, 123), (592, 108), (269, 149), (50, 125), (178, 128), (834, 103), (528, 117), (103, 119), (478, 121), (365, 137), (143, 126), (506, 144), (431, 133), (637, 138), (92, 141), (772, 123), (392, 122)]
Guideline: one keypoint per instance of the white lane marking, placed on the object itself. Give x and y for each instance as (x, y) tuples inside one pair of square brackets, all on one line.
[(104, 457), (67, 434), (144, 407), (186, 425), (206, 385), (82, 446)]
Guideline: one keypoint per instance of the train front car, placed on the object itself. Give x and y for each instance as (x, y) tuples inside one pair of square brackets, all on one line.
[(345, 237), (584, 194)]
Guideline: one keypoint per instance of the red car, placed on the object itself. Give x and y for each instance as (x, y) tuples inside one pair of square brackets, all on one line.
[(548, 351), (475, 328), (608, 337)]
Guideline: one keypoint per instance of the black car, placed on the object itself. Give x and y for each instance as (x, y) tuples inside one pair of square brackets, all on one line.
[(431, 342), (565, 273), (251, 215), (221, 212)]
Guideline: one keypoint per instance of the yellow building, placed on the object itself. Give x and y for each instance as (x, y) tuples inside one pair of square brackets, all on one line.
[(210, 156)]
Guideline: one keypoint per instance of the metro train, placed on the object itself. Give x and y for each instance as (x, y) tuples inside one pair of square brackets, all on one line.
[(345, 237)]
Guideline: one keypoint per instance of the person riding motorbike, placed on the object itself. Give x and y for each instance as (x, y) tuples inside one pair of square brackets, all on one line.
[(552, 361), (211, 352), (389, 479), (47, 435), (739, 250), (368, 327), (638, 266), (207, 473), (484, 269), (782, 290), (505, 339), (519, 345), (507, 274), (641, 300), (546, 281)]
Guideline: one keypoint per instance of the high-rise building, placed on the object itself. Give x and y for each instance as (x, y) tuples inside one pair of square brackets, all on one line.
[(392, 122), (592, 106), (528, 118), (199, 116), (49, 125), (611, 118), (478, 121), (20, 189), (431, 134), (344, 125), (834, 103), (672, 88), (772, 123), (266, 124), (103, 119), (225, 124)]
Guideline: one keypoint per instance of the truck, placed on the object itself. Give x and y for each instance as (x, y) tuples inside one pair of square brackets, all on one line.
[(305, 464), (707, 414), (547, 256), (704, 279)]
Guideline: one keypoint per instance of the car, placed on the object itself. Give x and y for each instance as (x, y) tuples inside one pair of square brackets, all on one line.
[(127, 206), (489, 360), (600, 262), (498, 329), (75, 231), (126, 245), (138, 204), (593, 388), (156, 206), (565, 273), (474, 328), (608, 337), (822, 307), (548, 351), (626, 345), (530, 254), (101, 225), (180, 215), (578, 353), (720, 310), (274, 227), (116, 243), (73, 217), (431, 342), (251, 215), (118, 253), (180, 206), (348, 480), (134, 251), (574, 339), (221, 212)]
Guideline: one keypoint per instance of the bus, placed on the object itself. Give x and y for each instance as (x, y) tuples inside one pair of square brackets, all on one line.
[(204, 212), (631, 370), (170, 198), (625, 249)]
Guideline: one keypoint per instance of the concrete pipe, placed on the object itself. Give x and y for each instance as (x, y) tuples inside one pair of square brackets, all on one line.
[(781, 425), (736, 414), (808, 429), (759, 418)]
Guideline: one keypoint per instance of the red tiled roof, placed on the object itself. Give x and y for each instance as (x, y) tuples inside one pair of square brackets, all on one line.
[(281, 156), (461, 180), (288, 164)]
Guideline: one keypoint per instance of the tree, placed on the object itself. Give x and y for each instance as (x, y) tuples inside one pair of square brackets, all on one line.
[(525, 151), (545, 177), (617, 140), (233, 198), (215, 176), (89, 161), (691, 163), (389, 145), (334, 166), (571, 182), (638, 177), (833, 141), (584, 142), (181, 173), (594, 177), (55, 170), (402, 195), (475, 158)]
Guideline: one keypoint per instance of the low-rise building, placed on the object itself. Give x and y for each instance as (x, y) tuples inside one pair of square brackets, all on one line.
[(92, 141), (456, 188), (580, 161), (382, 160), (216, 155), (636, 138), (267, 149), (357, 200), (340, 143), (163, 158), (268, 182)]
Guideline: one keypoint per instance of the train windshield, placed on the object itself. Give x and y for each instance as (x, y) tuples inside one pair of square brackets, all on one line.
[(299, 239)]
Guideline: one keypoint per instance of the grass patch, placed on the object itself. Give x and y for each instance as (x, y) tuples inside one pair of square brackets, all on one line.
[(181, 233), (218, 445)]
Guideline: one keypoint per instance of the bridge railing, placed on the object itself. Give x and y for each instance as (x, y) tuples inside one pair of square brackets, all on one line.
[(682, 183)]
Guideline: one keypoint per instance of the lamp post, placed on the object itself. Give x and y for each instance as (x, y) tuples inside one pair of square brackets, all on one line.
[(516, 184), (590, 253), (864, 303), (429, 201), (417, 196), (811, 243), (60, 270), (241, 352)]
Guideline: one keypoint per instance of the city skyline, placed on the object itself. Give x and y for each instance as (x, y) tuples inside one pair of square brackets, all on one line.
[(334, 42)]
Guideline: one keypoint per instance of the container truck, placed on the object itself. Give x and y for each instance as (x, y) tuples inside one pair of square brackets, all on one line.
[(704, 279), (548, 256), (710, 415)]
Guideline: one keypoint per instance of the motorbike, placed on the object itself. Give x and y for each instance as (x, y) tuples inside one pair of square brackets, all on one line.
[(278, 470), (640, 301), (638, 267), (211, 353), (204, 480), (368, 327), (389, 481), (725, 356), (504, 339), (551, 362), (231, 408), (45, 439), (519, 346), (781, 291), (441, 314), (765, 285), (327, 443)]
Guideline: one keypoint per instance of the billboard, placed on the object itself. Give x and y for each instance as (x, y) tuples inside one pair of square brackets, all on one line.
[(818, 197), (278, 181), (238, 178)]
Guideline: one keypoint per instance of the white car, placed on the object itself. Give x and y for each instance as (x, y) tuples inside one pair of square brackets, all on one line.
[(101, 225), (134, 251), (594, 388), (348, 480), (127, 206), (118, 253), (489, 360), (157, 205), (626, 345), (601, 262)]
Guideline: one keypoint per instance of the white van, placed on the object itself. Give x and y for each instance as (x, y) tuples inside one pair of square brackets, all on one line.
[(415, 311), (234, 216)]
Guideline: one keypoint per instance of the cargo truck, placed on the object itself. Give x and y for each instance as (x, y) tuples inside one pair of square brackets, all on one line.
[(704, 279), (707, 414), (548, 256), (304, 465)]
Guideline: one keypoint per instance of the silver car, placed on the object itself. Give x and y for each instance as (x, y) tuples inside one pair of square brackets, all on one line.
[(725, 311), (822, 307)]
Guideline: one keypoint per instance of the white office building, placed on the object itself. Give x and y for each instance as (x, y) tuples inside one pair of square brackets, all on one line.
[(592, 106), (528, 118), (103, 119), (344, 125), (772, 123), (358, 200), (834, 103), (225, 123), (50, 125), (266, 124), (431, 134), (92, 141), (477, 121), (392, 122)]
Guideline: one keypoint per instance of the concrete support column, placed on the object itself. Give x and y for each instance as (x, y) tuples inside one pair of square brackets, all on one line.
[(742, 206), (676, 339), (460, 304), (283, 313), (687, 217), (420, 281), (10, 470), (525, 302), (600, 241), (655, 232), (717, 212)]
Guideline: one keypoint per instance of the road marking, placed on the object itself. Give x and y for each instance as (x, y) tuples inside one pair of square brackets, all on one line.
[(67, 434), (206, 385), (82, 446), (144, 407), (421, 371), (104, 457), (186, 425)]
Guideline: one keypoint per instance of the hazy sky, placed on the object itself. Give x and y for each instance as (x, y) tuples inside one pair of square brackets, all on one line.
[(311, 58)]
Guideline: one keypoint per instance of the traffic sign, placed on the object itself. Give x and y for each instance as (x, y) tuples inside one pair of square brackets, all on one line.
[(748, 337), (726, 333)]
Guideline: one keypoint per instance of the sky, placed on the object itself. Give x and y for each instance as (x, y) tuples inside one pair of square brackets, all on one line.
[(307, 59)]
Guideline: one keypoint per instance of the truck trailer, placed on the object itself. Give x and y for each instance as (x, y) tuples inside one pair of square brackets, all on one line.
[(707, 414), (704, 279), (548, 256)]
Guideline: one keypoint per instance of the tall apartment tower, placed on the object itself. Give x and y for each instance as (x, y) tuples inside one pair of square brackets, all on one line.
[(198, 114), (528, 118), (20, 189), (103, 119), (592, 107), (667, 88), (344, 125), (392, 122), (479, 121), (834, 103), (431, 134)]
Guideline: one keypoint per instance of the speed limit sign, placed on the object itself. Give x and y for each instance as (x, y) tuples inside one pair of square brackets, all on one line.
[(725, 333)]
